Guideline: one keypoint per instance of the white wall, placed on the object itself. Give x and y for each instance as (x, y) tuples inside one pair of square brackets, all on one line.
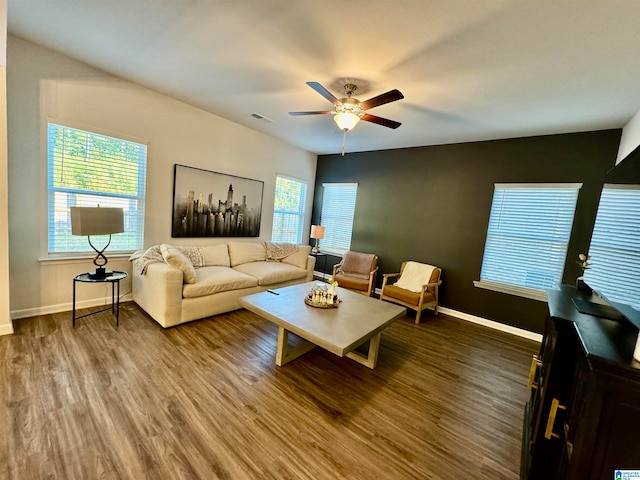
[(630, 137), (5, 319), (45, 85)]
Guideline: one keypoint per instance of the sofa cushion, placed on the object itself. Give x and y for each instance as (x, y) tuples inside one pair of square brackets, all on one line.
[(175, 258), (269, 273), (299, 258), (217, 279), (216, 255), (244, 252)]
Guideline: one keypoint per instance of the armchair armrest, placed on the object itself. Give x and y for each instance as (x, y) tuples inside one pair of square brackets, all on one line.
[(335, 269), (387, 276), (434, 284)]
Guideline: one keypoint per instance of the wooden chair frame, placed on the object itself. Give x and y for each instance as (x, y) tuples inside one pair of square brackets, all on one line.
[(422, 305)]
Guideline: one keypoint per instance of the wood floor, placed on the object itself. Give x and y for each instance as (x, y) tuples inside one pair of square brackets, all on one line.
[(206, 401)]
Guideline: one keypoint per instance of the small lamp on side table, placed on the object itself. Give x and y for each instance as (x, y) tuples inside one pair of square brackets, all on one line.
[(97, 221), (317, 232)]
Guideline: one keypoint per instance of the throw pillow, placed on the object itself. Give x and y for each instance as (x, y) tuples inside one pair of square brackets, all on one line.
[(175, 258), (299, 258), (277, 251)]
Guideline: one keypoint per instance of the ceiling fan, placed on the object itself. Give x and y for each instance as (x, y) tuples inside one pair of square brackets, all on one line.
[(349, 111)]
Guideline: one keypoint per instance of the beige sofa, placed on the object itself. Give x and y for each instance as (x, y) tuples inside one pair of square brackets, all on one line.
[(174, 291)]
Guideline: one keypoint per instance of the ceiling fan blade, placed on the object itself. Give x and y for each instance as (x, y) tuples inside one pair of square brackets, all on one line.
[(309, 113), (385, 122), (390, 96), (324, 92)]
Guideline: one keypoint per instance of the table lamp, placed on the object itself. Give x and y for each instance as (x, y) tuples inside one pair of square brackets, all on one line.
[(97, 221), (317, 232)]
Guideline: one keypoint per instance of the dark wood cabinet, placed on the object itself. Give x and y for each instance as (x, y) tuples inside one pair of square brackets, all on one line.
[(583, 418)]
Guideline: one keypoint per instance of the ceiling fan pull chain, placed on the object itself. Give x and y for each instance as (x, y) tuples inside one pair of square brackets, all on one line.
[(344, 139)]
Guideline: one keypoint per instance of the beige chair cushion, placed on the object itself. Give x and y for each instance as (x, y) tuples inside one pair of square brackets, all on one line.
[(175, 258), (216, 255), (407, 296), (245, 252), (352, 283)]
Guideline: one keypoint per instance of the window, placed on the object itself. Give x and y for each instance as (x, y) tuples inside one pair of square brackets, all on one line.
[(86, 170), (615, 245), (338, 208), (527, 238), (288, 210)]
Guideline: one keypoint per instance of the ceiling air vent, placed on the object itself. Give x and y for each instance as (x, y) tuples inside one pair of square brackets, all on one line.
[(262, 118)]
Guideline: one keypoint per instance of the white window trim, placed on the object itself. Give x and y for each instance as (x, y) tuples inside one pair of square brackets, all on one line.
[(44, 181), (603, 283), (337, 251), (525, 292), (531, 293), (305, 200), (538, 185)]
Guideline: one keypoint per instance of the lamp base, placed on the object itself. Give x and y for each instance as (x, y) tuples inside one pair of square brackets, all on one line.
[(100, 273)]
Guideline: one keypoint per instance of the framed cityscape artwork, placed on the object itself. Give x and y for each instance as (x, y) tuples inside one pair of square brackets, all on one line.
[(212, 204)]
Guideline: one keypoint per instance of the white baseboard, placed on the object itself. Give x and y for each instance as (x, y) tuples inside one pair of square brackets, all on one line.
[(488, 323), (492, 324), (96, 302), (63, 307), (6, 329)]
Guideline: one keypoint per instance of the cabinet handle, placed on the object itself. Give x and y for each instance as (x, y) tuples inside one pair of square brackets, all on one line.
[(535, 364), (555, 405)]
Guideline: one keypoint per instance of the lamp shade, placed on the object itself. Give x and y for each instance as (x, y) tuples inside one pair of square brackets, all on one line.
[(317, 231), (346, 120), (96, 220)]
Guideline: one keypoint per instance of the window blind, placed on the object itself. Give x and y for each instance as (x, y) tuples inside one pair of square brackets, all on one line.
[(338, 209), (288, 210), (615, 245), (528, 234), (86, 169)]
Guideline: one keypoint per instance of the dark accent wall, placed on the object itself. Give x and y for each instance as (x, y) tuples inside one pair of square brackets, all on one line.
[(432, 204)]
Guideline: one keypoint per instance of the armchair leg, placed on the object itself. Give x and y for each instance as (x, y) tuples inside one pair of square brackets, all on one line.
[(418, 312)]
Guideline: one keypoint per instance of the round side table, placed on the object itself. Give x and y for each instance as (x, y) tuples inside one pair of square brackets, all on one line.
[(114, 279)]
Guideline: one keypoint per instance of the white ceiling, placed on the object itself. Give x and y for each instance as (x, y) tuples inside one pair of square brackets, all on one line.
[(469, 69)]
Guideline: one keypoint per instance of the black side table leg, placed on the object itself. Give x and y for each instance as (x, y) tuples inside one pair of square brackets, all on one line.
[(74, 304), (113, 300), (118, 305)]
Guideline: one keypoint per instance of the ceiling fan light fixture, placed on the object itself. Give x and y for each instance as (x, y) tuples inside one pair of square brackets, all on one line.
[(346, 120)]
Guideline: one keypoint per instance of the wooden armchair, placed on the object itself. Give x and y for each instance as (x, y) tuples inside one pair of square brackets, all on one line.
[(422, 292), (357, 272)]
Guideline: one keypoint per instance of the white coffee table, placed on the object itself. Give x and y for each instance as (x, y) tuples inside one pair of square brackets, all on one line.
[(340, 330)]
